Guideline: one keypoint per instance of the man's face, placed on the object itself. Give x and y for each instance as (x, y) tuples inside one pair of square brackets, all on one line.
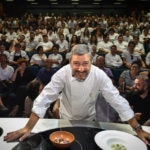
[(131, 47), (100, 62), (113, 50), (80, 65), (139, 87), (3, 59), (2, 48)]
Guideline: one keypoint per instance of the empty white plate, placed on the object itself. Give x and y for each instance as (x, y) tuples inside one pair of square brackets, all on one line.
[(105, 139)]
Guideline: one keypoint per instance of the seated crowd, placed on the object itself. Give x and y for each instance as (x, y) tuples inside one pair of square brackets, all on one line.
[(33, 49)]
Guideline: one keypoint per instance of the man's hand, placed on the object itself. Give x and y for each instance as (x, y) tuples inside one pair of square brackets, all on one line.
[(138, 116), (144, 136), (19, 134)]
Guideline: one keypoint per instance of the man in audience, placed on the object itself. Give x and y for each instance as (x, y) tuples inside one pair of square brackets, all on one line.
[(17, 54), (4, 41), (139, 47), (121, 44), (46, 72), (112, 59), (46, 44), (104, 46), (31, 44), (80, 82), (3, 51), (100, 63), (139, 99), (130, 56)]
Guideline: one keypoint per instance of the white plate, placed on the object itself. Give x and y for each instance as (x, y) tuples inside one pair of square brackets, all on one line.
[(105, 139)]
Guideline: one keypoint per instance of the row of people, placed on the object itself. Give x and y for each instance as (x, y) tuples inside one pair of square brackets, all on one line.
[(37, 58), (90, 30), (102, 45), (14, 81), (112, 59)]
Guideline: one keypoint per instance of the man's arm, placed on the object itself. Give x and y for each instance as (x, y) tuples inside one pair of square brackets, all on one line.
[(21, 134)]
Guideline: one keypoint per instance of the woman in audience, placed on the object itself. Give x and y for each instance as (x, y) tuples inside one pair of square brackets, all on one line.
[(85, 37), (127, 77), (74, 41), (21, 77), (92, 42)]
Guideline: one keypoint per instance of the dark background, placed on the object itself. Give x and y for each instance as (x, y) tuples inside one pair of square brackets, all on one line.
[(69, 7)]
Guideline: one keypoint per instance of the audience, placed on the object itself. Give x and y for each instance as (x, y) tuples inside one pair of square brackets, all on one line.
[(117, 39)]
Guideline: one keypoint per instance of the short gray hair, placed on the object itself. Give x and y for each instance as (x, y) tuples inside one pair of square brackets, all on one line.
[(80, 49)]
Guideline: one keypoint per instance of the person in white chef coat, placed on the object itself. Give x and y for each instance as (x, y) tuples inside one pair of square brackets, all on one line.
[(79, 82)]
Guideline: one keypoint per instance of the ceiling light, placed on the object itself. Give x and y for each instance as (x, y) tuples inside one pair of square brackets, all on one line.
[(9, 0), (75, 3), (30, 0), (54, 3), (96, 3)]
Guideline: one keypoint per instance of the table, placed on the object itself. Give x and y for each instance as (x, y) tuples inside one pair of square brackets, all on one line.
[(11, 124)]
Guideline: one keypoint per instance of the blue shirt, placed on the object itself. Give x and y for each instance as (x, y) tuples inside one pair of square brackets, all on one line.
[(44, 75)]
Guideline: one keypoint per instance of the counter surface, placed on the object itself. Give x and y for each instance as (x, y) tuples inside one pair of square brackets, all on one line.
[(12, 124)]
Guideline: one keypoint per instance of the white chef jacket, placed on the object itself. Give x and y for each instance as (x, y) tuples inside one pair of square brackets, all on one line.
[(78, 98)]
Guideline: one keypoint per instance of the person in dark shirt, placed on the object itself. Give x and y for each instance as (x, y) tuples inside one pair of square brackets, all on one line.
[(139, 99), (21, 77), (45, 73)]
